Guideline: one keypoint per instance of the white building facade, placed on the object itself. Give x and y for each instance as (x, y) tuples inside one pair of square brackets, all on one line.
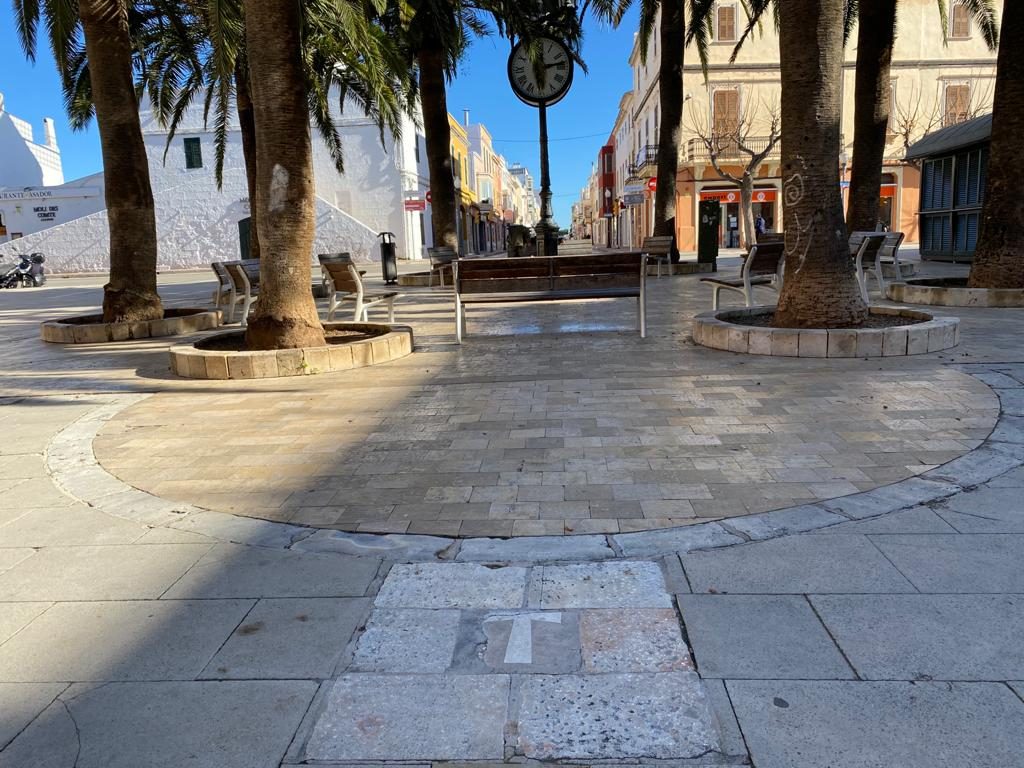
[(197, 222)]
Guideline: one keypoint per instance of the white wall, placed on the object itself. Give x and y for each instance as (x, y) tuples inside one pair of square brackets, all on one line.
[(27, 163)]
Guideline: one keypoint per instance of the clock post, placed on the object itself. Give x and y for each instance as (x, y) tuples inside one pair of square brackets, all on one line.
[(542, 84), (547, 236)]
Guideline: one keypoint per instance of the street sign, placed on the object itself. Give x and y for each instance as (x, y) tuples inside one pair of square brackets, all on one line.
[(428, 195), (633, 199), (634, 188), (652, 184), (415, 205)]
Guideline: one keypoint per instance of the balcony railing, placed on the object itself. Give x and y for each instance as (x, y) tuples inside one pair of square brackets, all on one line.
[(729, 149), (646, 163)]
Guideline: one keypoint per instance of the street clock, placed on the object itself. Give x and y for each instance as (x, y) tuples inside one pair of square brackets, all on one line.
[(547, 83)]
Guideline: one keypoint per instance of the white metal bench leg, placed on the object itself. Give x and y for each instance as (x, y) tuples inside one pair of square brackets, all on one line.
[(717, 289), (459, 310), (247, 305), (391, 309)]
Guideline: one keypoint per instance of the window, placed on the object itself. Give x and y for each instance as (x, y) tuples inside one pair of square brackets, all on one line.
[(959, 20), (725, 111), (193, 153), (958, 103), (725, 26), (416, 145)]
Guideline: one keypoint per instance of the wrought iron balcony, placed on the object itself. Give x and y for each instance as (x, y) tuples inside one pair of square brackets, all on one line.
[(728, 148), (646, 163)]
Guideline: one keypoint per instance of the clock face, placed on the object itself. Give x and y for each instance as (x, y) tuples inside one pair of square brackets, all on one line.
[(556, 71)]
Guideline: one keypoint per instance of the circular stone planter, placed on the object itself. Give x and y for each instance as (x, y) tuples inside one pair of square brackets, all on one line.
[(90, 329), (419, 280), (393, 342), (953, 292), (724, 330)]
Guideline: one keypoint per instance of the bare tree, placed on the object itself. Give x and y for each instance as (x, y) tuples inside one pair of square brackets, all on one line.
[(919, 114), (732, 144)]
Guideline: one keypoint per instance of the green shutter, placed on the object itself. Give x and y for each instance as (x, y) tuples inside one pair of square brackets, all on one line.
[(193, 153)]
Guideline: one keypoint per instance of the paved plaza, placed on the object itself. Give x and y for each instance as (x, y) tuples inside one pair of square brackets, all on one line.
[(557, 543)]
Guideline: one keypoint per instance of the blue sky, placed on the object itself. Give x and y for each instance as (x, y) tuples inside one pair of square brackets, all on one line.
[(32, 92)]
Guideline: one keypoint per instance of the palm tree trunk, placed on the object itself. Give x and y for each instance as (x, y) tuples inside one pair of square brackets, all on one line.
[(876, 35), (437, 134), (672, 33), (820, 289), (286, 315), (130, 295), (247, 125), (999, 257)]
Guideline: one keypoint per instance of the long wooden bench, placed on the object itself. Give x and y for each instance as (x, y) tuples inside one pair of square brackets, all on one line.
[(552, 278)]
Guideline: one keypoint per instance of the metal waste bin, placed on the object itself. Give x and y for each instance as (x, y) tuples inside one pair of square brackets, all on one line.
[(707, 233), (388, 257)]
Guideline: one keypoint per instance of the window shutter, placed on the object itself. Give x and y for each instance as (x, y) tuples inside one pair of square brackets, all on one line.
[(727, 23), (193, 153), (726, 111), (960, 24), (958, 100)]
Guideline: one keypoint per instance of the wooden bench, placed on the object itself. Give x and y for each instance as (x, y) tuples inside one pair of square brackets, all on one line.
[(550, 278), (345, 284), (659, 250), (763, 266), (245, 275), (440, 260)]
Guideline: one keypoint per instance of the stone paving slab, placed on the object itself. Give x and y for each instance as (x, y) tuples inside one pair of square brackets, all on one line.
[(619, 584), (16, 616), (73, 525), (633, 640), (118, 572), (760, 637), (452, 585), (166, 725), (289, 638), (976, 563), (126, 640), (985, 510), (796, 564), (926, 637), (518, 642), (231, 570), (849, 724), (616, 716), (412, 717), (20, 703), (915, 520), (407, 640)]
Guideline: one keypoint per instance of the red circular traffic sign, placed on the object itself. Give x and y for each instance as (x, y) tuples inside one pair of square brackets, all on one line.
[(652, 184), (428, 196)]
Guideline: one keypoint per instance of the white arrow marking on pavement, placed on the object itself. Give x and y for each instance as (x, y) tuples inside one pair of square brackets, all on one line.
[(520, 639)]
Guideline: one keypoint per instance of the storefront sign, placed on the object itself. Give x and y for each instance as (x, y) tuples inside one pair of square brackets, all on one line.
[(45, 194), (634, 188), (633, 199), (733, 195), (46, 212), (415, 205)]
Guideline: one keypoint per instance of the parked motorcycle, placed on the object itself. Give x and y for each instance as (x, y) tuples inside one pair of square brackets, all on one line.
[(29, 273)]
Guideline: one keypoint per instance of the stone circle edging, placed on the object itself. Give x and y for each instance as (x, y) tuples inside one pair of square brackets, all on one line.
[(932, 292), (191, 363), (66, 331), (73, 466), (714, 330)]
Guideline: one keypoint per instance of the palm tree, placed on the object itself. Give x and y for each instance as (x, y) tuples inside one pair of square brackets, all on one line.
[(820, 288), (434, 35), (670, 16), (876, 36), (97, 79), (191, 53), (999, 257), (286, 315)]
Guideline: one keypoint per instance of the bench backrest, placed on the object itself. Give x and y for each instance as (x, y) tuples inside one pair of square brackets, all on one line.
[(764, 258), (343, 275), (343, 256), (869, 241), (441, 257), (241, 276), (771, 237), (222, 274), (658, 246), (891, 246), (551, 273)]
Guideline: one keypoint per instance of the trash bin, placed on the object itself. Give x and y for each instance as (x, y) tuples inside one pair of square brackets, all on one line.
[(707, 234), (388, 257)]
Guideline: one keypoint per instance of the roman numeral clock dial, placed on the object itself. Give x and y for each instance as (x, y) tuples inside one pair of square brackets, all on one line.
[(546, 83)]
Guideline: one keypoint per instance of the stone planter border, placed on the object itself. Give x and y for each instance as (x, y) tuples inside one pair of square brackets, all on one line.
[(82, 329), (931, 291), (191, 363), (713, 329)]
